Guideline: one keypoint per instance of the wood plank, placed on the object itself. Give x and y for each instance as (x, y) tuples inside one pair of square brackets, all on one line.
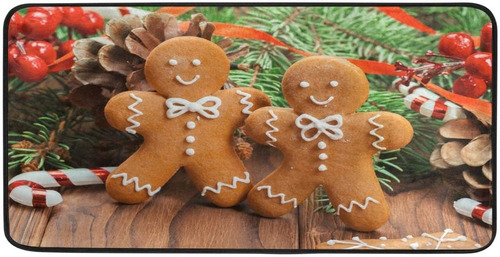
[(423, 206), (27, 224), (177, 217)]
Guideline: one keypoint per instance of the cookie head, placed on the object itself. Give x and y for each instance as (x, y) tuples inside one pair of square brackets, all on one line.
[(322, 85), (187, 67)]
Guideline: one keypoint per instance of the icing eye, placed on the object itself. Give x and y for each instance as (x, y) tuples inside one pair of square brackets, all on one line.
[(304, 84), (172, 62), (334, 83), (196, 62)]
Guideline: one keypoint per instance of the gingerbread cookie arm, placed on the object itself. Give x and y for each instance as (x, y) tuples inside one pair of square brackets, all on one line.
[(132, 111), (271, 126), (245, 99), (136, 179), (383, 130)]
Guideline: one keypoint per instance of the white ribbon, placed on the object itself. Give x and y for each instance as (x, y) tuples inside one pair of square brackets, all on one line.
[(322, 126), (179, 106)]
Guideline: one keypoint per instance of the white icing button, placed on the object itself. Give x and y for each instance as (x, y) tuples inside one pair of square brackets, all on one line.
[(322, 145), (304, 84), (383, 238), (172, 62), (190, 139), (196, 62), (323, 156), (190, 151), (334, 83), (330, 242), (322, 167), (191, 125), (382, 245)]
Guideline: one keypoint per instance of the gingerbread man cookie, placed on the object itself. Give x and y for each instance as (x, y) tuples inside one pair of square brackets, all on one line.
[(325, 142), (188, 122)]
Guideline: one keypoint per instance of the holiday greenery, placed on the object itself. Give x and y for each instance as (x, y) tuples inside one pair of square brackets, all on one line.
[(47, 131)]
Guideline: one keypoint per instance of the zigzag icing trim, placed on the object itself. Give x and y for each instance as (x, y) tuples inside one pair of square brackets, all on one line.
[(373, 132), (353, 202), (221, 184), (130, 129), (245, 101), (443, 239), (280, 195), (273, 128), (135, 180)]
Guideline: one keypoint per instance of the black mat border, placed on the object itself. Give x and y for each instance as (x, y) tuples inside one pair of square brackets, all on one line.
[(246, 251)]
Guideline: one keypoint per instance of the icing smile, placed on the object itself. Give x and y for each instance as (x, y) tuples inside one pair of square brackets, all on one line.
[(321, 102), (187, 83)]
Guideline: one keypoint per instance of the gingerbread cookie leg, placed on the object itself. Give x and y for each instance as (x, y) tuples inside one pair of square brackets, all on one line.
[(279, 192), (357, 197), (136, 180), (224, 181)]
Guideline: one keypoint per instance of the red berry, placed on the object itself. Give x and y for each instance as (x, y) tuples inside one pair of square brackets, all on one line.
[(458, 45), (41, 49), (469, 86), (54, 12), (30, 68), (15, 25), (12, 53), (487, 37), (38, 25), (479, 65), (90, 23), (71, 15), (66, 47)]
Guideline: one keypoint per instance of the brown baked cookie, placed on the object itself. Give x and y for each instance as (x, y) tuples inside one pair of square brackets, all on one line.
[(325, 142), (447, 240), (187, 123)]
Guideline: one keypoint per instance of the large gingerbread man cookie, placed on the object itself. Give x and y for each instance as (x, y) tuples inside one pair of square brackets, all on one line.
[(188, 122), (324, 142)]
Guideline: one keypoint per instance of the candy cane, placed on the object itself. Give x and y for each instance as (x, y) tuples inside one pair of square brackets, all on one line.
[(427, 103), (474, 209), (111, 12), (29, 188)]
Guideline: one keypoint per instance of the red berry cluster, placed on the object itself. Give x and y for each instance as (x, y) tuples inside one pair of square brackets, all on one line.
[(32, 41), (460, 49)]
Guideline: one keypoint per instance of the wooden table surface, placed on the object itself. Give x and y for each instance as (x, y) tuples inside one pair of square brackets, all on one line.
[(178, 217)]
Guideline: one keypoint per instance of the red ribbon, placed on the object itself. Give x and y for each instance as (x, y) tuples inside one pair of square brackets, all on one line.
[(402, 16)]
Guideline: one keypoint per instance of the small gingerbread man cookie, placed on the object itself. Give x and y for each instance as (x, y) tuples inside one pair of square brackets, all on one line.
[(324, 142), (188, 122)]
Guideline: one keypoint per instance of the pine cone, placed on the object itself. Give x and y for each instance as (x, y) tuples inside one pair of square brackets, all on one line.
[(106, 66), (464, 155)]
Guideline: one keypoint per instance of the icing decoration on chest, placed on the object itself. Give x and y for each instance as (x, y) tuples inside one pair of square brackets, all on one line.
[(273, 128), (322, 126), (353, 202), (190, 139), (357, 244), (179, 106), (443, 239), (322, 167), (187, 83), (373, 132), (135, 180), (190, 125), (236, 179), (327, 101), (130, 129), (190, 151), (245, 101), (280, 195)]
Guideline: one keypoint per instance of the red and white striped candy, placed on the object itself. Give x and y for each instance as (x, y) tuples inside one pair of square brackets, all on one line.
[(428, 103), (110, 12), (30, 188), (474, 209)]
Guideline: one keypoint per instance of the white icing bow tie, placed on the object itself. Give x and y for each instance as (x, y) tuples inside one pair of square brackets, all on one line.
[(179, 106), (322, 126)]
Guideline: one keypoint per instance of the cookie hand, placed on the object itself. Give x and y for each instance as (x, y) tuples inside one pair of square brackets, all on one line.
[(127, 111), (390, 131), (245, 99), (271, 126)]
